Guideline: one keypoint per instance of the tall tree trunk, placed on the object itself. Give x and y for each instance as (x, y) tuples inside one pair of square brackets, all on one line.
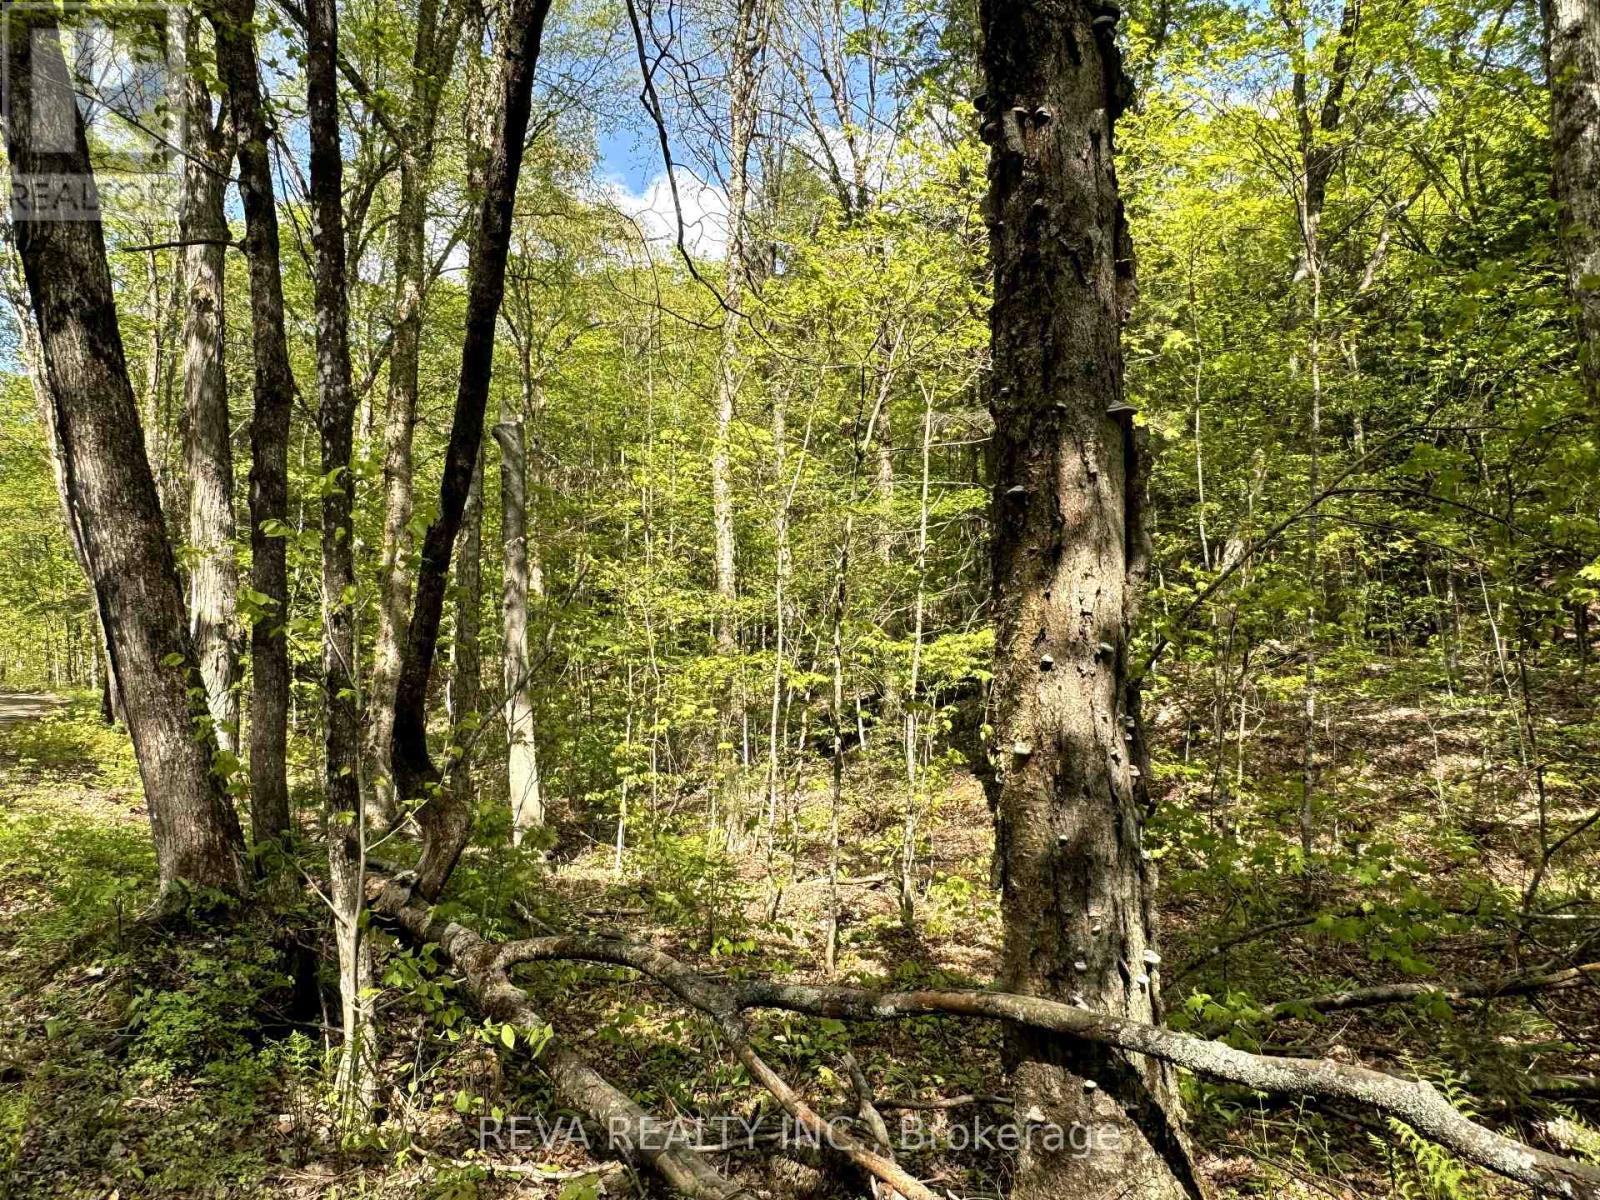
[(208, 449), (782, 571), (522, 752), (130, 561), (841, 592), (908, 832), (32, 353), (336, 422), (1317, 125), (161, 299), (444, 823), (1076, 886), (430, 64), (233, 23), (467, 680), (742, 116), (1572, 37)]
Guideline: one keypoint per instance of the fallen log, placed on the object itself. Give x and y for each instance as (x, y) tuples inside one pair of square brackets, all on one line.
[(1414, 1101), (1451, 993), (718, 1003), (576, 1083)]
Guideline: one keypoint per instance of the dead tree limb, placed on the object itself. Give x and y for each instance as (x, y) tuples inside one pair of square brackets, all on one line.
[(865, 1108), (722, 1006), (1452, 993), (869, 1116), (1413, 1101), (577, 1084), (941, 1103)]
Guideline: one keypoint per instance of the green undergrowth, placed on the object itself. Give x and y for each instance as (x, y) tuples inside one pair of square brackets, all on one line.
[(144, 1049)]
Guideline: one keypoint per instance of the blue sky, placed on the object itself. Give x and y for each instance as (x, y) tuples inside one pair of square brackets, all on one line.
[(628, 158)]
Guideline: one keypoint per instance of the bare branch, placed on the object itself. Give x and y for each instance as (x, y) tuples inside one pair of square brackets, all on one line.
[(1413, 1101), (1451, 993), (576, 1082)]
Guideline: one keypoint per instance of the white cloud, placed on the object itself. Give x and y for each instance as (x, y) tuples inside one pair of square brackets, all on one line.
[(705, 213)]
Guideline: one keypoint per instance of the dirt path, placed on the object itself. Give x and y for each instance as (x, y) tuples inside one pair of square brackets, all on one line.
[(15, 709)]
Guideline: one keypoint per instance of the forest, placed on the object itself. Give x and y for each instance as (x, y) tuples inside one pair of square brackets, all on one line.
[(797, 599)]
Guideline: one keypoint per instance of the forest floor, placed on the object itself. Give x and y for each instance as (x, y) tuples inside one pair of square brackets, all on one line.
[(137, 1060)]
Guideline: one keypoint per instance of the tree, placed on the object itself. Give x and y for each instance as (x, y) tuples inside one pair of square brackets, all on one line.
[(1076, 890), (466, 680), (232, 21), (522, 751), (208, 449), (108, 478), (432, 58), (444, 820), (747, 36), (1572, 49), (1317, 156), (336, 421)]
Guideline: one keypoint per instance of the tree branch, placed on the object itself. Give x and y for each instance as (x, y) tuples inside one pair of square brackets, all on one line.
[(1399, 993), (576, 1083), (1413, 1101), (722, 1006)]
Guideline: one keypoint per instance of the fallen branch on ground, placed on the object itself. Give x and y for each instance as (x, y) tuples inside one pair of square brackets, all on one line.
[(1400, 993), (940, 1103), (718, 1003), (869, 1116), (1413, 1101), (577, 1084)]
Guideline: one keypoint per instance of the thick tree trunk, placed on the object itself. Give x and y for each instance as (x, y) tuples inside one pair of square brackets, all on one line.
[(1572, 34), (443, 823), (232, 21), (336, 421), (1076, 889), (522, 751), (130, 561), (430, 64), (208, 450), (16, 291)]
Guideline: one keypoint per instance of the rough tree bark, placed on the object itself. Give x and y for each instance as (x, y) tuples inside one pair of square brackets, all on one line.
[(32, 354), (430, 65), (445, 823), (112, 491), (208, 449), (1572, 39), (1076, 886), (232, 21), (336, 421)]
